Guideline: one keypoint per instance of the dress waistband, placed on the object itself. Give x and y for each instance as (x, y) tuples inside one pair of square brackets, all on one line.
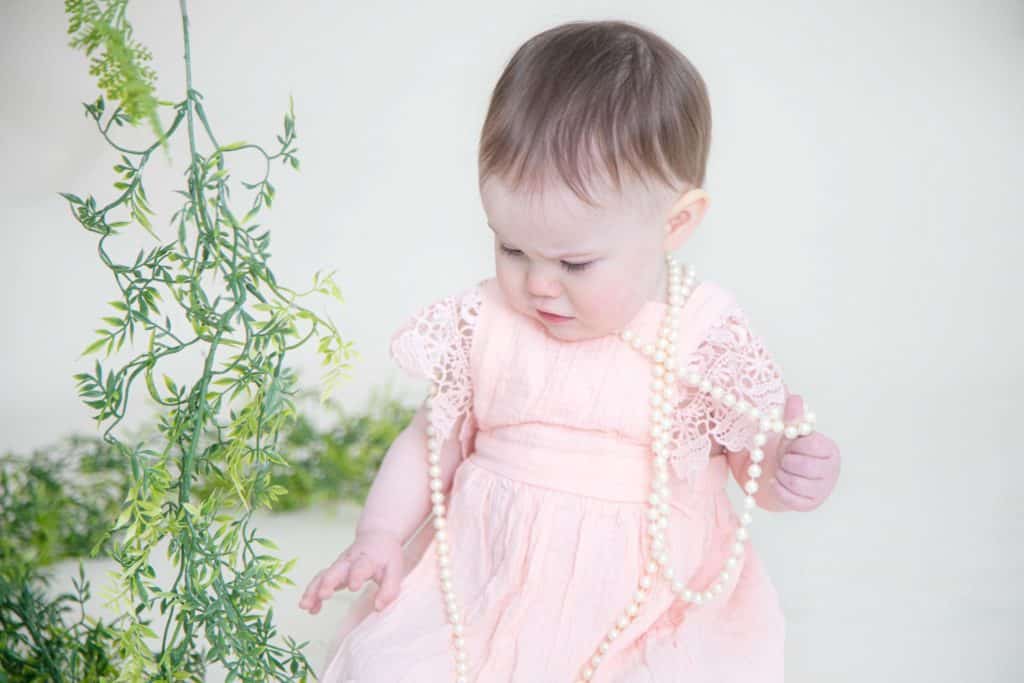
[(583, 463)]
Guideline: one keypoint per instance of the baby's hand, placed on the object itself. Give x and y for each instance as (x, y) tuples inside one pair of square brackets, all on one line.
[(807, 467), (375, 555)]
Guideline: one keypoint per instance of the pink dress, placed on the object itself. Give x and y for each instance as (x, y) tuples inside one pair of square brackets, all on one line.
[(547, 513)]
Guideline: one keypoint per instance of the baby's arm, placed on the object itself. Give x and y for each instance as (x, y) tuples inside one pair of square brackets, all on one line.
[(395, 507), (399, 498)]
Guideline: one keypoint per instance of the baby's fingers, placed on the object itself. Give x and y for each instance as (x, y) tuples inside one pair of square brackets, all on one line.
[(310, 599), (334, 577), (389, 583), (793, 500), (362, 569), (802, 465)]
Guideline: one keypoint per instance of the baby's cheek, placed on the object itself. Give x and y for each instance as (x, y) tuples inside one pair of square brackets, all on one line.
[(616, 309)]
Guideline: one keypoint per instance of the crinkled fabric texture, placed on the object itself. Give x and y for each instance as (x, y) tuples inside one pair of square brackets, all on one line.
[(547, 514)]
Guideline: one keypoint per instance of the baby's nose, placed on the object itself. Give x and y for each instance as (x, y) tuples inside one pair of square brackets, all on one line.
[(541, 284)]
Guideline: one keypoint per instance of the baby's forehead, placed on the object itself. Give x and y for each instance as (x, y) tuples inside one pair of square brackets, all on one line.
[(554, 203)]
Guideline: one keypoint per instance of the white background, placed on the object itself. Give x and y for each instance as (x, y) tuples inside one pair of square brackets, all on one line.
[(865, 179)]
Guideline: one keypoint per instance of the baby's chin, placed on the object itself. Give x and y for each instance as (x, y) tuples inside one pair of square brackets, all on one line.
[(572, 331)]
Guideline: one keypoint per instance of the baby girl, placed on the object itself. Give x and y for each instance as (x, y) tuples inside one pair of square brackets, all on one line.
[(557, 509)]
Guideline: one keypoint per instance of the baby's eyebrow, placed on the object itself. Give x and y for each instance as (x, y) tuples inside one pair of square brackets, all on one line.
[(583, 254)]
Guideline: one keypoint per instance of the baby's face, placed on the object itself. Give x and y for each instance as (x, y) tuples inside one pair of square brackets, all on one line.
[(596, 266)]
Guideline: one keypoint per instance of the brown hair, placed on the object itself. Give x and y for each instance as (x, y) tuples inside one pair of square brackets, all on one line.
[(588, 90)]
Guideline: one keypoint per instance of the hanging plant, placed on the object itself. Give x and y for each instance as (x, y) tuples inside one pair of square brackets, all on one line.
[(230, 315)]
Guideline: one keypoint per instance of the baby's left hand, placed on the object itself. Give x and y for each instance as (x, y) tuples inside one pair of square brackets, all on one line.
[(807, 467)]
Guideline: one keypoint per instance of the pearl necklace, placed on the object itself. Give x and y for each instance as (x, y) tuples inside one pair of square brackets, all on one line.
[(662, 400)]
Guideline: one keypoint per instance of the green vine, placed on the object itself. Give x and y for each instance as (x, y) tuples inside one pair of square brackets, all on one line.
[(232, 316), (57, 502), (120, 68)]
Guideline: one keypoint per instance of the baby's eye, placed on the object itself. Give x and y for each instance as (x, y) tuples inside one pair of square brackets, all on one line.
[(572, 267)]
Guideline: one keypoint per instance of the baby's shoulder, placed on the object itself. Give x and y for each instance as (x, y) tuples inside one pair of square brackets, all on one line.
[(710, 303)]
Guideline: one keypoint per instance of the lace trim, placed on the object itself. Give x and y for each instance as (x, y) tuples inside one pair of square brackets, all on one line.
[(435, 344), (732, 357)]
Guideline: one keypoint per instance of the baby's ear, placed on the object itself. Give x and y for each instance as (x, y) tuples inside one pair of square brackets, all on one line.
[(684, 217)]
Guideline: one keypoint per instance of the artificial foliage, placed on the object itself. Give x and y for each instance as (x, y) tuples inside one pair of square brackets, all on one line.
[(204, 293), (57, 503)]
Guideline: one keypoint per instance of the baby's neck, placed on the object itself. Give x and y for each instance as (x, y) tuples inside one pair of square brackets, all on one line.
[(660, 293)]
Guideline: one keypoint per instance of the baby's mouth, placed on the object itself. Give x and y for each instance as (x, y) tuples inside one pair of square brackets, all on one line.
[(552, 317)]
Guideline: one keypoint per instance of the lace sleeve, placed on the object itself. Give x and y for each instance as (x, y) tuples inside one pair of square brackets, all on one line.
[(435, 344), (734, 358)]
